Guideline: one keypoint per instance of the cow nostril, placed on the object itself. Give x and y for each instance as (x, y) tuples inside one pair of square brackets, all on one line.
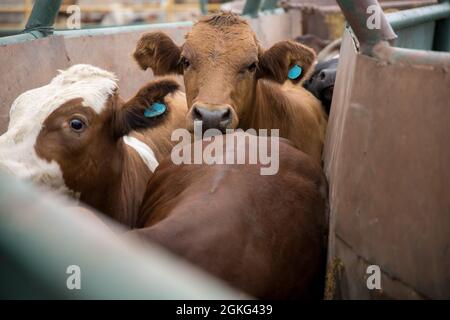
[(197, 114), (226, 115), (322, 75)]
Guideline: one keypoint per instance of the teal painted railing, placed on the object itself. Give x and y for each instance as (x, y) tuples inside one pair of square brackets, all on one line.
[(423, 28), (41, 236), (44, 13)]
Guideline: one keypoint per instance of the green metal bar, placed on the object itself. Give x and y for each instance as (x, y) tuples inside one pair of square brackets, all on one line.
[(16, 39), (252, 7), (203, 6), (357, 14), (40, 236), (99, 31), (9, 32), (269, 5), (120, 29), (42, 18), (39, 24), (404, 56), (412, 17)]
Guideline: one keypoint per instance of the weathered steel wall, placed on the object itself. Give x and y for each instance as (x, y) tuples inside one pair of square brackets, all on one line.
[(34, 63), (386, 159)]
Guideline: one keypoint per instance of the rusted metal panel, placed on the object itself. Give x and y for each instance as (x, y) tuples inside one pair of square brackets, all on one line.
[(41, 235), (27, 66), (386, 159), (288, 26), (114, 52), (416, 27)]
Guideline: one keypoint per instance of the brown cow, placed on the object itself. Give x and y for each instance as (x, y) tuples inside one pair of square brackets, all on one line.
[(232, 82), (74, 135), (264, 235)]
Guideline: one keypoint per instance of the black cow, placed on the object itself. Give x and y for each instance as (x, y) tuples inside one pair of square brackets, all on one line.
[(321, 83)]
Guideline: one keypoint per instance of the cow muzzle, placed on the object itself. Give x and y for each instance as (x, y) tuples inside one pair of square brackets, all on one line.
[(217, 117)]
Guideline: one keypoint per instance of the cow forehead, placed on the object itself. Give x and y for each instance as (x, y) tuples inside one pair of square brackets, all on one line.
[(234, 41)]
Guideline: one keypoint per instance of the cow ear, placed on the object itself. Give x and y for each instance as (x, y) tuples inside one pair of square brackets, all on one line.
[(146, 109), (286, 60), (157, 51)]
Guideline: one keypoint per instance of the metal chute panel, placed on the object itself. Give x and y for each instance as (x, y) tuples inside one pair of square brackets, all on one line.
[(386, 159)]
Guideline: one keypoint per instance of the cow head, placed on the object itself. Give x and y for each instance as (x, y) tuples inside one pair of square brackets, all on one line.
[(221, 62), (65, 135)]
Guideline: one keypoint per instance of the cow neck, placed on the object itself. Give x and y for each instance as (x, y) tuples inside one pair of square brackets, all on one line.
[(137, 166), (145, 152), (267, 108)]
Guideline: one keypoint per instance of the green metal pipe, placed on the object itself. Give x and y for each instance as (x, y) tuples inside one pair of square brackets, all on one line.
[(203, 6), (252, 7), (40, 237), (120, 29), (16, 39), (357, 14), (412, 17), (269, 5), (39, 24), (42, 18)]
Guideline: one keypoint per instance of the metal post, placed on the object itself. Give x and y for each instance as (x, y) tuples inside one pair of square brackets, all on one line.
[(269, 5), (252, 7), (357, 13), (204, 6), (40, 236), (42, 18)]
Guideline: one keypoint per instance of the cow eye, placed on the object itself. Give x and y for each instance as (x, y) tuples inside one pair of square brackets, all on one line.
[(185, 63), (252, 67), (77, 125)]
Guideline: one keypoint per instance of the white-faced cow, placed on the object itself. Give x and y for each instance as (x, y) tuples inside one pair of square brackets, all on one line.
[(75, 136), (232, 82)]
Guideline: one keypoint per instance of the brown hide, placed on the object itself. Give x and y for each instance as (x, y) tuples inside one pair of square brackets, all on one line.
[(264, 235)]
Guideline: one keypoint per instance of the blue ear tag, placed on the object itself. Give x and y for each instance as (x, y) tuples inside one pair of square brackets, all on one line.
[(156, 109), (295, 72)]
